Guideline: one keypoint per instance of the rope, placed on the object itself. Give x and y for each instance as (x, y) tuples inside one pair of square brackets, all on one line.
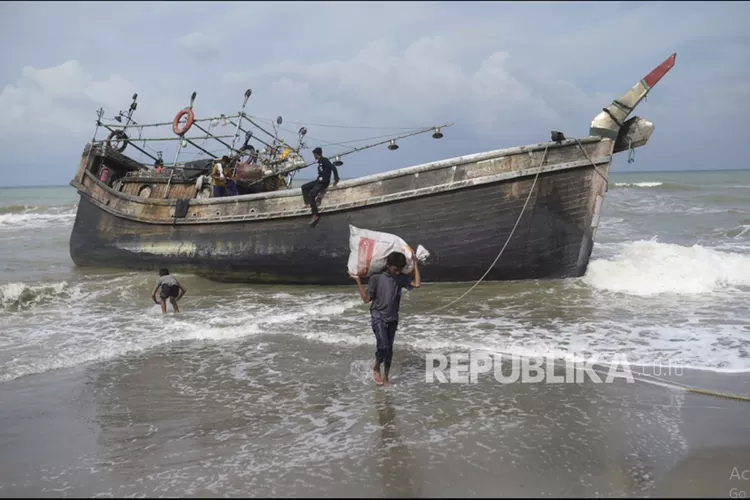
[(631, 151), (606, 181), (694, 390), (506, 241), (687, 388)]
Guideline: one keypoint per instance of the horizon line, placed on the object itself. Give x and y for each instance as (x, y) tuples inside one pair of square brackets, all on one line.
[(349, 178)]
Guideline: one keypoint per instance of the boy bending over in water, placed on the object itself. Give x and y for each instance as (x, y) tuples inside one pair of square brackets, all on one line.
[(384, 295), (168, 288)]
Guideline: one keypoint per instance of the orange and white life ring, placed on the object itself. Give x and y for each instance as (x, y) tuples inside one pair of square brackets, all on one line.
[(190, 118)]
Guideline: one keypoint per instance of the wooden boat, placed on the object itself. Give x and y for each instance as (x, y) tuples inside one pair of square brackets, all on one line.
[(461, 209)]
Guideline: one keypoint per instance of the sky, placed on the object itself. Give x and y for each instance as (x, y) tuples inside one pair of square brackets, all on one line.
[(505, 74)]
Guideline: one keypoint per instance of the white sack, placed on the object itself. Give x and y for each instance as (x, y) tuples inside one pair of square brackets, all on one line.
[(369, 251)]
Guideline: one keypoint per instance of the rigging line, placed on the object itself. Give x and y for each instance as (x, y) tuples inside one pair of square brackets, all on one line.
[(360, 148), (520, 215), (162, 124), (371, 138), (340, 126), (343, 143), (203, 144), (324, 142)]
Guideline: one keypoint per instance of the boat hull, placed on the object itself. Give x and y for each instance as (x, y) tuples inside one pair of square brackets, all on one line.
[(464, 230)]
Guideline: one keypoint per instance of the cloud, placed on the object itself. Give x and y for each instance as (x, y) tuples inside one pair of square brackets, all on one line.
[(505, 73), (54, 108), (52, 101), (198, 45), (423, 84)]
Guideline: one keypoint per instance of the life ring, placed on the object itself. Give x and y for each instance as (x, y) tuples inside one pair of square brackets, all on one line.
[(117, 135), (190, 118)]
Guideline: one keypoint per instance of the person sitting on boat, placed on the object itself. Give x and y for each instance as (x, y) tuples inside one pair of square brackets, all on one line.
[(159, 166), (219, 179), (312, 189)]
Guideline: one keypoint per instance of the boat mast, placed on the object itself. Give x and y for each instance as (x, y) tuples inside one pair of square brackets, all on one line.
[(183, 140), (248, 93)]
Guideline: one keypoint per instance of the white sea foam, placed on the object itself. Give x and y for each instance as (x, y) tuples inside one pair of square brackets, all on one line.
[(48, 326), (639, 184), (73, 327), (22, 296), (650, 267)]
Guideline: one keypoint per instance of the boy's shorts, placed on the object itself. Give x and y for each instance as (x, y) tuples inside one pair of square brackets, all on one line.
[(168, 291)]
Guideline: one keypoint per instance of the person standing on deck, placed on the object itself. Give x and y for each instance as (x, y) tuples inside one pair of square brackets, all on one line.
[(384, 295), (312, 189), (219, 179), (168, 288), (231, 186)]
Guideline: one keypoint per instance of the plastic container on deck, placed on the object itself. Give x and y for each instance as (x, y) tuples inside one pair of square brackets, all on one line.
[(104, 175)]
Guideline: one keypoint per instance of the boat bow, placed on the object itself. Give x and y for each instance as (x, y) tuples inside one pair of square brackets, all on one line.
[(611, 120)]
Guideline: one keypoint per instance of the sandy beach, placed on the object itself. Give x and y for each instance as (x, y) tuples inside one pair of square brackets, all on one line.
[(276, 424)]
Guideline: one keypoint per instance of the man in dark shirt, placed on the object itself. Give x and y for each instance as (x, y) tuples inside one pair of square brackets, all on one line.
[(312, 189), (384, 295)]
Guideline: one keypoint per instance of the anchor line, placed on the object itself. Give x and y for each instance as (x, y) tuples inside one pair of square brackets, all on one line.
[(518, 220)]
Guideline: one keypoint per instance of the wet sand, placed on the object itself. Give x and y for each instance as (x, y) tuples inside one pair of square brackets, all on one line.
[(263, 420)]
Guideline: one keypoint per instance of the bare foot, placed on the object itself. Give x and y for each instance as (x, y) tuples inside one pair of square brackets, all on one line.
[(376, 377), (314, 220), (386, 382)]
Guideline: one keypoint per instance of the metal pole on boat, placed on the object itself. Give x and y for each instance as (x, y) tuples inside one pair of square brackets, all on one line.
[(248, 93), (182, 138), (183, 141), (129, 119), (99, 115), (269, 134), (129, 116), (355, 150), (212, 136), (254, 137), (195, 145), (136, 147)]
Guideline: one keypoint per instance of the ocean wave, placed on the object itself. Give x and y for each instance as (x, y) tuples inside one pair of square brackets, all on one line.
[(15, 209), (25, 217), (639, 184), (96, 331), (739, 232), (21, 296), (104, 317), (657, 186), (648, 267)]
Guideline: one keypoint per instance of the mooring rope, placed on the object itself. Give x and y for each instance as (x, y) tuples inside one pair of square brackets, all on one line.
[(695, 390), (661, 382), (544, 156)]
